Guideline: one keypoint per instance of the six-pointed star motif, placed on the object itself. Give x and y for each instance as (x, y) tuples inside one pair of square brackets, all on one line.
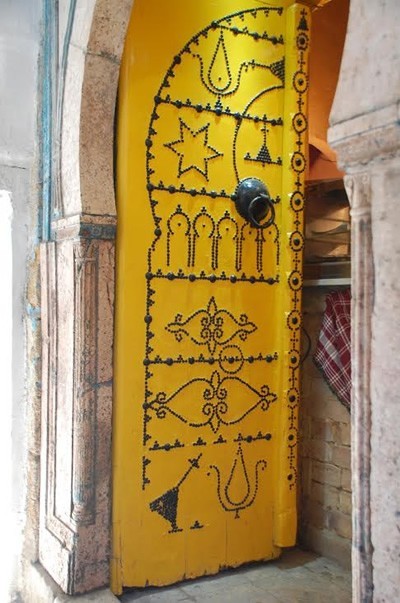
[(193, 149)]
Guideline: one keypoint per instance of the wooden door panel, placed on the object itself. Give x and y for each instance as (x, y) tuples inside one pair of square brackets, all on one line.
[(208, 307)]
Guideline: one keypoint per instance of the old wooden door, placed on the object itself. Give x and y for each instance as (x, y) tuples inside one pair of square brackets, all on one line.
[(208, 306)]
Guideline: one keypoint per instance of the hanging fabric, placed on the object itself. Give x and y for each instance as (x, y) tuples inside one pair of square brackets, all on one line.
[(333, 353)]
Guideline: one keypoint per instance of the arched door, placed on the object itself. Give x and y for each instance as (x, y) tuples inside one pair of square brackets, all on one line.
[(208, 305)]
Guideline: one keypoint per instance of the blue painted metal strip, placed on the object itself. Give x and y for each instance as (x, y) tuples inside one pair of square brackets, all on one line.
[(52, 91), (47, 114)]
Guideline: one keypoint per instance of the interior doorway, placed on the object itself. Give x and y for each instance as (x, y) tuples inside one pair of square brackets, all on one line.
[(325, 501)]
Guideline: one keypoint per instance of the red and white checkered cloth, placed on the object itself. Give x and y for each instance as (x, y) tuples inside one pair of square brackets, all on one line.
[(333, 353)]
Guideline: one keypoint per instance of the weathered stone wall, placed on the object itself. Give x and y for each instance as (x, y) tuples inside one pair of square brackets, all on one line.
[(325, 494), (77, 295), (19, 55), (365, 132)]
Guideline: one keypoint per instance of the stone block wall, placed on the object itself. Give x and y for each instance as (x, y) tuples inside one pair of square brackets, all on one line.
[(325, 492)]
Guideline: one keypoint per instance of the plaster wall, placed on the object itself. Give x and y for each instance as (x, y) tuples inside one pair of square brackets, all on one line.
[(370, 70), (19, 50)]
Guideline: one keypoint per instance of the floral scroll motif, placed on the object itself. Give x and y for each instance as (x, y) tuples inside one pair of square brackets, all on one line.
[(211, 401), (211, 327)]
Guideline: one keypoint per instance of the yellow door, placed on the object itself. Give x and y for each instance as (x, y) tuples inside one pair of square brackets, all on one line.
[(208, 305)]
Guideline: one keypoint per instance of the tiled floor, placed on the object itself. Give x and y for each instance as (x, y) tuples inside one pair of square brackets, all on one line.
[(297, 577)]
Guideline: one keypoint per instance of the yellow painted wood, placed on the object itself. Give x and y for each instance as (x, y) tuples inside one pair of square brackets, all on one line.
[(208, 308)]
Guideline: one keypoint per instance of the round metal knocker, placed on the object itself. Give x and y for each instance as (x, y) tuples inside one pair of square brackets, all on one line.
[(253, 203)]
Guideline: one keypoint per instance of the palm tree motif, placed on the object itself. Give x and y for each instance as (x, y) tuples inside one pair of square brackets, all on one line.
[(166, 505)]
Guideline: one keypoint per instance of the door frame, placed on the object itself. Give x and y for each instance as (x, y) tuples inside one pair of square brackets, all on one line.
[(77, 272)]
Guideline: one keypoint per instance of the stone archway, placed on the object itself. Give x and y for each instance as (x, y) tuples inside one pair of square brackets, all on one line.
[(77, 266), (77, 295)]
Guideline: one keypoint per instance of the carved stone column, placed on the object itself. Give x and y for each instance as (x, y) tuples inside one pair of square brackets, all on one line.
[(358, 190), (77, 303), (371, 158)]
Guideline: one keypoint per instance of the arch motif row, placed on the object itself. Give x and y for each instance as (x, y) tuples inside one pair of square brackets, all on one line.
[(206, 237)]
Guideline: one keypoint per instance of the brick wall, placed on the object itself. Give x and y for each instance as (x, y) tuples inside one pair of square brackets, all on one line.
[(325, 493)]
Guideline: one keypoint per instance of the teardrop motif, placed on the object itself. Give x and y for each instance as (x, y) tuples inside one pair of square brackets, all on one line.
[(219, 73), (237, 489)]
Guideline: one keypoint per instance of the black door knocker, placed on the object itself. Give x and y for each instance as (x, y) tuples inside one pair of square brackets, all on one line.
[(253, 202)]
